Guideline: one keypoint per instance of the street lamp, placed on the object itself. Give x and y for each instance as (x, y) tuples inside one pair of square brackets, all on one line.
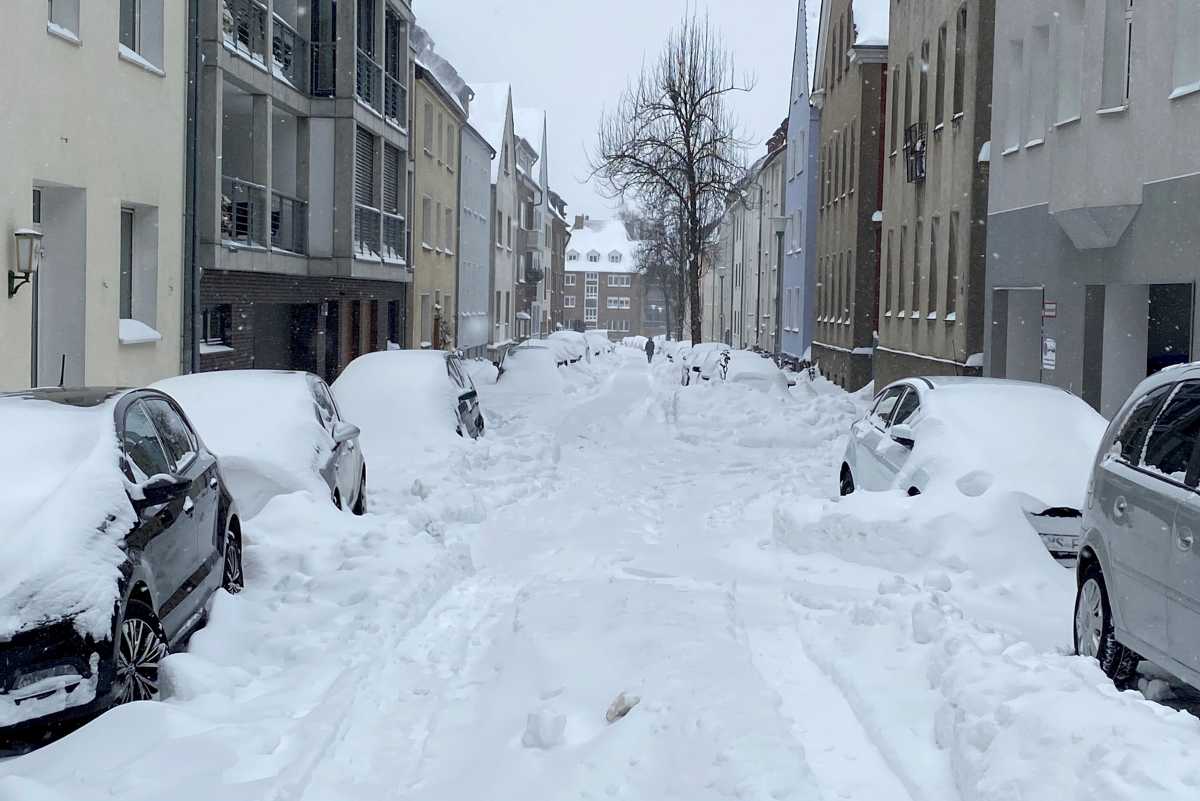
[(29, 257)]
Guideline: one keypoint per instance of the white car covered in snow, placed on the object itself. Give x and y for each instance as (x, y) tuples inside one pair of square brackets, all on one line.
[(599, 343), (977, 435), (744, 367), (275, 432), (694, 358), (573, 344)]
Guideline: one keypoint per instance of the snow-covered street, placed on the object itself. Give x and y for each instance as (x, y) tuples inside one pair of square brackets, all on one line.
[(682, 547)]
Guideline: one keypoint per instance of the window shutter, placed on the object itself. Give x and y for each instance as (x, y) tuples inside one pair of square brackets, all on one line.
[(391, 179), (364, 168)]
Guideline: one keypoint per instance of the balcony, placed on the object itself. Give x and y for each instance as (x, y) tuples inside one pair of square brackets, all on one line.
[(244, 27), (367, 232), (915, 142), (242, 207), (323, 60), (289, 223), (395, 103), (534, 239), (289, 53), (368, 83), (394, 239)]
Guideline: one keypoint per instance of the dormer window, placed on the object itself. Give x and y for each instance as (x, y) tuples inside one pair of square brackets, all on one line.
[(614, 257), (573, 256), (594, 257)]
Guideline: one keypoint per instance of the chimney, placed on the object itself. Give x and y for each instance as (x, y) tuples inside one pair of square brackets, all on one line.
[(580, 219)]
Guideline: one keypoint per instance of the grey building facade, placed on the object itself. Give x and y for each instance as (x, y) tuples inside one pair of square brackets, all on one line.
[(474, 242), (850, 88), (1092, 231), (935, 189)]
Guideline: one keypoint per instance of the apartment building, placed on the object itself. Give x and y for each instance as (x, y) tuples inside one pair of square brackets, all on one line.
[(936, 189), (529, 273), (303, 181), (93, 141), (850, 88), (560, 237), (538, 237), (492, 116), (1095, 178), (797, 295), (474, 330), (602, 287), (441, 106)]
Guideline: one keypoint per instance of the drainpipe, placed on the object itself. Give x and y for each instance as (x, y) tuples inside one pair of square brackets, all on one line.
[(458, 248), (191, 322), (758, 278)]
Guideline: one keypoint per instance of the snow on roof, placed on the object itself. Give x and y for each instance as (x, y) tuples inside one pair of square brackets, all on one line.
[(603, 237), (871, 23), (489, 113), (530, 124), (441, 70)]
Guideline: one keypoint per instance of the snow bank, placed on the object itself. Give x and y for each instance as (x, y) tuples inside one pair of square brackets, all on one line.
[(263, 427), (64, 512)]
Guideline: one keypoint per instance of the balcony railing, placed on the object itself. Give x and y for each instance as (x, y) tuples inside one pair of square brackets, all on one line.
[(394, 239), (289, 51), (395, 102), (242, 207), (915, 141), (366, 231), (244, 26), (368, 82), (324, 69), (289, 223)]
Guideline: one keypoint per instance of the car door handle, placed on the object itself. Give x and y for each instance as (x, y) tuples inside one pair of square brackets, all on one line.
[(1119, 507), (212, 482), (189, 506), (1184, 538)]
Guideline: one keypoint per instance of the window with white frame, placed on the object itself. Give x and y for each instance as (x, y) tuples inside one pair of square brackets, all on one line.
[(568, 301), (62, 16), (572, 256), (592, 278), (591, 291), (569, 279), (614, 257), (448, 246), (590, 311), (614, 303), (427, 222), (141, 31), (593, 256), (618, 325), (619, 280), (429, 129), (138, 279)]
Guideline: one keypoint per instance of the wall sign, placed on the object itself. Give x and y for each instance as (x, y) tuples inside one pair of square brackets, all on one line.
[(1049, 353), (1050, 309)]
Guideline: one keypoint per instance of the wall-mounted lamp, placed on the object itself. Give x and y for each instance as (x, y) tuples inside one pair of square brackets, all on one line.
[(29, 257)]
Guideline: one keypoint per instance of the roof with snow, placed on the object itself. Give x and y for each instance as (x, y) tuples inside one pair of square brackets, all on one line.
[(489, 111), (605, 239), (871, 23)]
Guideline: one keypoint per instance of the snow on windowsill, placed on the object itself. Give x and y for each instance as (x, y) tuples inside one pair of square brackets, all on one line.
[(135, 332), (975, 360), (1184, 91), (1106, 112), (138, 60), (931, 316), (952, 317), (66, 34), (1068, 121), (1009, 151), (1034, 143), (209, 350)]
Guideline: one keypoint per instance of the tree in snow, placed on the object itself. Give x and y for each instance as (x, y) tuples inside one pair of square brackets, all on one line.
[(673, 145)]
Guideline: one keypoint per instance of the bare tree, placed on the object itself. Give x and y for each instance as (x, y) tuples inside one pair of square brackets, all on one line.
[(672, 141)]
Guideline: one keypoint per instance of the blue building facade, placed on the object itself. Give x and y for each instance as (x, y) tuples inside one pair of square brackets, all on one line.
[(799, 283)]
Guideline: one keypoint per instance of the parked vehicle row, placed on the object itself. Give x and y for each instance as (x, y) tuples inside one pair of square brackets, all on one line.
[(122, 509)]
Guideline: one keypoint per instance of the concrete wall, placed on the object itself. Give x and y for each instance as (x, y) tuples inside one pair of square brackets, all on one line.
[(475, 241), (79, 117)]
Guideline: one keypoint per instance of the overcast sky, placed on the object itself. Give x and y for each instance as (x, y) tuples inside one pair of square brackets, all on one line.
[(573, 58)]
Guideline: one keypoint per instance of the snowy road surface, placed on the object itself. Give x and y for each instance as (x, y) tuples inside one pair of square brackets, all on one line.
[(684, 547)]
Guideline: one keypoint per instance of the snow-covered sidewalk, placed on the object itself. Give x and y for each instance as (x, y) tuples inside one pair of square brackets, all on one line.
[(684, 548)]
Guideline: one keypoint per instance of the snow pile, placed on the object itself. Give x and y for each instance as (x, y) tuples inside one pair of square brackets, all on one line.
[(871, 23), (64, 512), (263, 427), (573, 345)]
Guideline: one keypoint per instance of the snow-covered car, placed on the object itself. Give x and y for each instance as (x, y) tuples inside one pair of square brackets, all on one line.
[(744, 367), (404, 397), (674, 350), (978, 435), (118, 528), (275, 432), (599, 343), (694, 359), (573, 344), (532, 367)]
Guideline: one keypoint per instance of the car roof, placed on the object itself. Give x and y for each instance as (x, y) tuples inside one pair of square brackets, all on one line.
[(932, 382), (83, 397)]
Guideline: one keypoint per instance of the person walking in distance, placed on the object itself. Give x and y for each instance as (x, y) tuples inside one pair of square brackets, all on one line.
[(649, 350)]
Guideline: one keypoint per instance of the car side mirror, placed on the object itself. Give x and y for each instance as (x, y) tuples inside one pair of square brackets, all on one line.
[(344, 432), (158, 490), (903, 435)]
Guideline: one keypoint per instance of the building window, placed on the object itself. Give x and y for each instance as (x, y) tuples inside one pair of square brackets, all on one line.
[(568, 301), (448, 245), (952, 270), (215, 326), (450, 146), (64, 15), (614, 258), (141, 29), (1118, 49), (572, 256), (908, 93), (499, 296), (853, 155), (935, 226), (592, 278), (889, 268), (915, 285), (960, 60), (591, 291), (939, 87), (620, 280), (593, 257), (1068, 104), (895, 110), (138, 278), (1039, 73), (126, 302), (590, 310), (427, 222), (37, 207), (1016, 88), (499, 229), (429, 129), (923, 84), (900, 272), (569, 279)]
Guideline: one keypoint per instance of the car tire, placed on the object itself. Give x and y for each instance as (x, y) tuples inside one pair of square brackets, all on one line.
[(337, 499), (1093, 630), (846, 482), (233, 580), (141, 647), (360, 505)]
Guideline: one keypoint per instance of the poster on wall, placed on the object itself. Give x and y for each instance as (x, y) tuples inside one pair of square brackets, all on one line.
[(1049, 353)]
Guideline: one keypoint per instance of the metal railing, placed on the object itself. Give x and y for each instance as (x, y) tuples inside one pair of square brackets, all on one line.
[(323, 81), (394, 238), (368, 81), (915, 141), (244, 26), (395, 101), (366, 231), (289, 51), (289, 223), (242, 207)]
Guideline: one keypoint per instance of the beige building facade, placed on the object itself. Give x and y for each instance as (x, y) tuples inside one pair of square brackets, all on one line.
[(93, 145)]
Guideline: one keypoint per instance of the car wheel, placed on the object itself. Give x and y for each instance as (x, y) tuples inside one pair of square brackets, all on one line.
[(232, 579), (337, 499), (141, 647), (1094, 635), (360, 505), (846, 484)]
